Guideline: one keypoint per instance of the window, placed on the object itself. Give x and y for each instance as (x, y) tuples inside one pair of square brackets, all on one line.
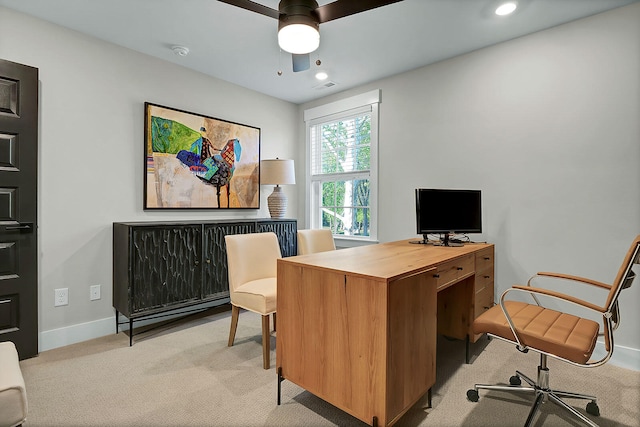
[(342, 145)]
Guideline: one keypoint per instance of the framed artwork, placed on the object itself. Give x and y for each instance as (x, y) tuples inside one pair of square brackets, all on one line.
[(194, 161)]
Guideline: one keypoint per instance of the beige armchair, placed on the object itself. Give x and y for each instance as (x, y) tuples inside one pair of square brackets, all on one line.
[(13, 395), (252, 265), (312, 241), (558, 334)]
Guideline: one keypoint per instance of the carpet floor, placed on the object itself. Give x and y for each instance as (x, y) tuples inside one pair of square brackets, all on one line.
[(183, 374)]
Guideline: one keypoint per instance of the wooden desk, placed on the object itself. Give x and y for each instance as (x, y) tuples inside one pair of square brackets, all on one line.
[(357, 327)]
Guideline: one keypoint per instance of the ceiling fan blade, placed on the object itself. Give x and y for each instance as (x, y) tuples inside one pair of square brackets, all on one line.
[(342, 8), (300, 62), (253, 7)]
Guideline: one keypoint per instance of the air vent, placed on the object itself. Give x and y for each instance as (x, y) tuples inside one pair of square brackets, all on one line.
[(325, 85)]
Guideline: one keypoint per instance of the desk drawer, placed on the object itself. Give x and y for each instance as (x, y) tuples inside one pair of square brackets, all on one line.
[(483, 300), (484, 278), (484, 259), (450, 272)]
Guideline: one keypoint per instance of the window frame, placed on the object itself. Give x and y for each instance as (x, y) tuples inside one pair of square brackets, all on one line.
[(360, 104)]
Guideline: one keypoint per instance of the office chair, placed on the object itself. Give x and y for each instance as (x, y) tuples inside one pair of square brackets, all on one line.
[(252, 265), (560, 335), (312, 241)]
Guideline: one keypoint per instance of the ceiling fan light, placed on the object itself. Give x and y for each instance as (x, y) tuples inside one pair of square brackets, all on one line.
[(298, 38)]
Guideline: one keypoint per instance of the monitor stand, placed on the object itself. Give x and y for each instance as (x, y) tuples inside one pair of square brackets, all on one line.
[(424, 241), (444, 241)]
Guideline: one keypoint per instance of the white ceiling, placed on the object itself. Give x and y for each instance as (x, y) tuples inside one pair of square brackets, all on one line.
[(241, 47)]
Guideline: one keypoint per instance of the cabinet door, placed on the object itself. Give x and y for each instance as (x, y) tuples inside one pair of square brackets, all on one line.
[(165, 264), (215, 281), (287, 232)]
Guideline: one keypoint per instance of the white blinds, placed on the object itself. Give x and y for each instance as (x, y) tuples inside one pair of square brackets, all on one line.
[(341, 144)]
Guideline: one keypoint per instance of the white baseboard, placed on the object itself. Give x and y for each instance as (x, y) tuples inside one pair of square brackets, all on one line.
[(60, 337), (623, 357)]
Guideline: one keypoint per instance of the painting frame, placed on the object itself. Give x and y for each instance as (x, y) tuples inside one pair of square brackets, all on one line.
[(196, 161)]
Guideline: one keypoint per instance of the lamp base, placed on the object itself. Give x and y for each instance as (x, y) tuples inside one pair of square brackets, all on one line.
[(277, 203)]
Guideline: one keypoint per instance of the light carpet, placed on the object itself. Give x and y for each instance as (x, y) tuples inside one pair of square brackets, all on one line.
[(184, 374)]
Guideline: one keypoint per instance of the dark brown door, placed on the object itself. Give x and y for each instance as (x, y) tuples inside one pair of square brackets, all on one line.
[(18, 206)]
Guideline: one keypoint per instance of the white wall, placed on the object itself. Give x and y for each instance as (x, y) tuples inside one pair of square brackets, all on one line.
[(547, 126), (91, 160)]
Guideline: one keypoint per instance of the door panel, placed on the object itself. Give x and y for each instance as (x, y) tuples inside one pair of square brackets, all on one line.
[(18, 207)]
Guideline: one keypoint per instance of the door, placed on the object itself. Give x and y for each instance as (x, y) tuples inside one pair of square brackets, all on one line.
[(18, 204), (166, 267)]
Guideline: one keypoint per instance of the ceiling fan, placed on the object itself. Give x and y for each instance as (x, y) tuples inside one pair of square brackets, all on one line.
[(299, 22)]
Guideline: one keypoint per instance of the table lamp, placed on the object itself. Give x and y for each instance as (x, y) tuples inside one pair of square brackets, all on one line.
[(277, 172)]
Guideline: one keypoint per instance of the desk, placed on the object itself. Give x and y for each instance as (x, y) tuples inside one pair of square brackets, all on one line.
[(357, 327)]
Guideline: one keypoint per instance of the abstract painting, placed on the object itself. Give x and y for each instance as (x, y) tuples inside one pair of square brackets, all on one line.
[(193, 161)]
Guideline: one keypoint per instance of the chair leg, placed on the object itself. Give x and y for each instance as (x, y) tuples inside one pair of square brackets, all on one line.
[(266, 342), (274, 322), (534, 408), (235, 312)]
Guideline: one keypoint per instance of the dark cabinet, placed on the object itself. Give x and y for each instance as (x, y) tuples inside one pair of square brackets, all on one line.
[(164, 266)]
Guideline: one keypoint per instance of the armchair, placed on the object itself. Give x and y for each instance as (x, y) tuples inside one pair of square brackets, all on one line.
[(557, 334), (315, 240), (252, 263)]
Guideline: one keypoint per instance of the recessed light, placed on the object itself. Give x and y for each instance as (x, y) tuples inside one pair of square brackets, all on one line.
[(321, 75), (506, 8)]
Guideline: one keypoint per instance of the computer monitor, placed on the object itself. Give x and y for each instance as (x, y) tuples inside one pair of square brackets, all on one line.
[(446, 212)]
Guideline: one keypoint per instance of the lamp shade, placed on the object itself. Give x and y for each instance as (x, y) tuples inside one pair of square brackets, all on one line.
[(298, 38), (277, 172), (298, 26)]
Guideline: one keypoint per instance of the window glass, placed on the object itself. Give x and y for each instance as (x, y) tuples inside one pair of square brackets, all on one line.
[(342, 174)]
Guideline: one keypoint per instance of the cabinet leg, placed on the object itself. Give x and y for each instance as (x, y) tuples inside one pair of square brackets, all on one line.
[(429, 398), (130, 332), (117, 315)]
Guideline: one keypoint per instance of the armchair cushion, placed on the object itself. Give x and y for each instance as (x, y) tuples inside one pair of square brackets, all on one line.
[(550, 331), (257, 295)]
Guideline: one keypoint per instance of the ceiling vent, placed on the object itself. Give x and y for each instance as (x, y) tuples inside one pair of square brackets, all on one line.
[(325, 85)]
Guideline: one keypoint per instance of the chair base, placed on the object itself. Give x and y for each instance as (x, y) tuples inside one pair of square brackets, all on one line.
[(542, 392)]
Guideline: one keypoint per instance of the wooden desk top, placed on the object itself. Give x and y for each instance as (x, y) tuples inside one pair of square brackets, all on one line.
[(384, 261)]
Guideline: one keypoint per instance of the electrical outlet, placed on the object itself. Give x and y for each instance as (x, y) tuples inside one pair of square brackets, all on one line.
[(94, 292), (61, 297)]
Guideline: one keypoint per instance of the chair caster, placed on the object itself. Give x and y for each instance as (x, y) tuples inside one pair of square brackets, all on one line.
[(515, 380), (473, 395), (592, 408)]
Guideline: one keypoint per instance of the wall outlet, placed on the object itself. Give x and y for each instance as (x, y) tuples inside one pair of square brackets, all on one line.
[(94, 292), (61, 297)]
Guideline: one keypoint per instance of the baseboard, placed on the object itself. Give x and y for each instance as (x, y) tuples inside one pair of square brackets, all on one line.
[(623, 357), (61, 337)]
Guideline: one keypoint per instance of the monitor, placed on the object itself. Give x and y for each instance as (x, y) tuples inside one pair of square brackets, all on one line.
[(446, 212)]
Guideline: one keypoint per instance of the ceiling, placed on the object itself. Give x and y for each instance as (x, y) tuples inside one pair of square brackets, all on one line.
[(241, 47)]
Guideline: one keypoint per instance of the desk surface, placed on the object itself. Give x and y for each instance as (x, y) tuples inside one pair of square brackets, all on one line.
[(385, 260)]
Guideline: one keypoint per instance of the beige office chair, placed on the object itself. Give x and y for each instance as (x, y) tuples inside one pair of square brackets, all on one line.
[(312, 241), (252, 265), (561, 335)]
